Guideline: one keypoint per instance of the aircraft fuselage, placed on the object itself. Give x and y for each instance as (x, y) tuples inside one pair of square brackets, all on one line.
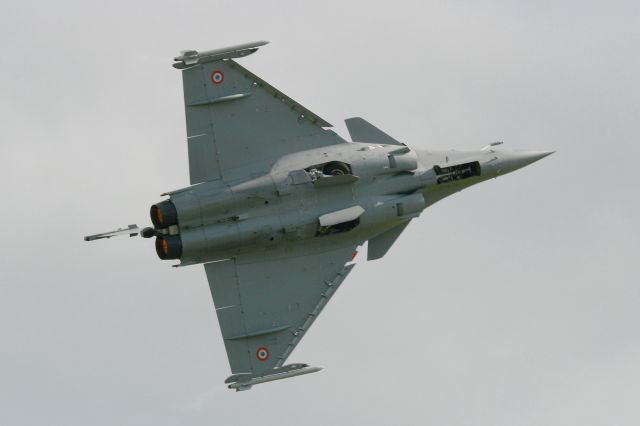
[(357, 190)]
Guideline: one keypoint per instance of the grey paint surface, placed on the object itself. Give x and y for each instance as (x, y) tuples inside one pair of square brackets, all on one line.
[(546, 334), (288, 203), (250, 133)]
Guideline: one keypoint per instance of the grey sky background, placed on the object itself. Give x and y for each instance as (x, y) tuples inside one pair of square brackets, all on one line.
[(512, 303)]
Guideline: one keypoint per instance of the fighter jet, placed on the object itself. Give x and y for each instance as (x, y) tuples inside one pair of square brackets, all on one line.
[(279, 204)]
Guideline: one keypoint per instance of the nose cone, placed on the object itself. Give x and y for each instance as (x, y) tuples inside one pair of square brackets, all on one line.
[(516, 160)]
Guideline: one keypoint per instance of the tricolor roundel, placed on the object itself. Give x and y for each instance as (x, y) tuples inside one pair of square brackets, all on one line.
[(262, 354), (217, 77)]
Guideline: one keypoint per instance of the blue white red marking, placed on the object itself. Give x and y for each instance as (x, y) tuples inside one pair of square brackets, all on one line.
[(262, 354), (217, 77)]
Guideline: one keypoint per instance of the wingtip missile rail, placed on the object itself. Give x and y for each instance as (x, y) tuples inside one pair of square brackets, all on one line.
[(131, 230), (241, 382), (190, 58)]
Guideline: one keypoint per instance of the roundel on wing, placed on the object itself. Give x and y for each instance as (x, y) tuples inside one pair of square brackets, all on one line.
[(262, 354), (217, 77)]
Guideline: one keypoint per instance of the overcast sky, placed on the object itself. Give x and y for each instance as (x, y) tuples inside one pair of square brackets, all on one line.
[(515, 302)]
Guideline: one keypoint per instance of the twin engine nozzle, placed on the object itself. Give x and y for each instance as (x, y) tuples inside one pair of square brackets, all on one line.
[(164, 217)]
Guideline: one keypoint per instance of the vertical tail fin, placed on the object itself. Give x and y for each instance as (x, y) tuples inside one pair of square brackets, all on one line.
[(363, 131)]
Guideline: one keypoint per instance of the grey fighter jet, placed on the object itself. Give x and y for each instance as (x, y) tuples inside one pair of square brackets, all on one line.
[(279, 204)]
